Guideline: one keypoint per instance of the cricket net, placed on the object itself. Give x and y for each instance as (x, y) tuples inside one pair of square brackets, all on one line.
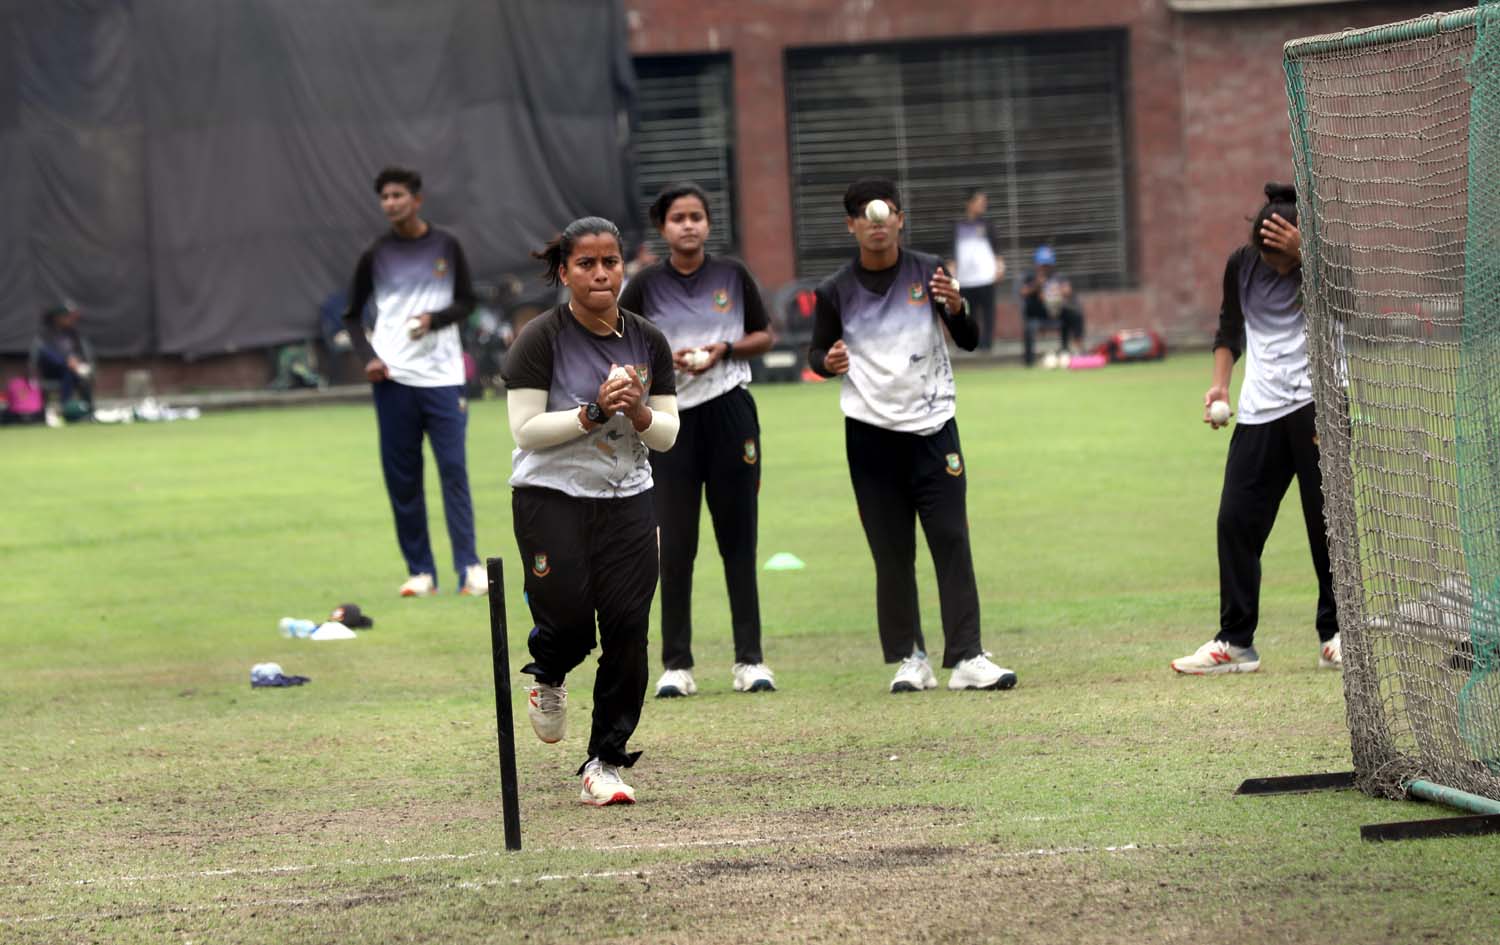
[(1396, 141)]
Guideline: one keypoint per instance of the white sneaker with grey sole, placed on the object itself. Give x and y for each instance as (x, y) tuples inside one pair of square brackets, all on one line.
[(977, 672), (753, 677), (1217, 656), (914, 675), (547, 707), (675, 683)]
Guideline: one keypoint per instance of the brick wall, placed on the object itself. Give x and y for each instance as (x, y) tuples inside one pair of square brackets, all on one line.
[(1206, 107)]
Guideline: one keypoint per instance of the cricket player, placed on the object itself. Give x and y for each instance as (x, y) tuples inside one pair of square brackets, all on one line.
[(879, 325)]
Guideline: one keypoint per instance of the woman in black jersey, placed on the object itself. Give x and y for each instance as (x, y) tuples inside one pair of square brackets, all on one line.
[(590, 393), (711, 312)]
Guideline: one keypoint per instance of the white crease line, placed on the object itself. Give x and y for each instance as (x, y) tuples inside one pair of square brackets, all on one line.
[(466, 885)]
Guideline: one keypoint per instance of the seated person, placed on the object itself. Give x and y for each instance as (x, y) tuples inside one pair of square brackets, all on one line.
[(1047, 302), (63, 360)]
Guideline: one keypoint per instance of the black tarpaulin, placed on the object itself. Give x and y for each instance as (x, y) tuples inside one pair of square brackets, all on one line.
[(198, 175)]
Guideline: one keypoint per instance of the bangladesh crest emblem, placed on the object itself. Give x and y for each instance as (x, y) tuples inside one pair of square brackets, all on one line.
[(955, 464), (750, 452), (539, 565), (440, 267), (916, 293), (721, 300)]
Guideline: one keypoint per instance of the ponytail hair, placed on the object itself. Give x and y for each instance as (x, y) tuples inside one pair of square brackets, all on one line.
[(1281, 199), (555, 254)]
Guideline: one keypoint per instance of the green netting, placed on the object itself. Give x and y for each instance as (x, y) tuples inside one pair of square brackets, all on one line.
[(1395, 132), (1479, 396)]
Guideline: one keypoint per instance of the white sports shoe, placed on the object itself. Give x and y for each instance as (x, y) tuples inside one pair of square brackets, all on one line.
[(602, 785), (977, 672), (1331, 656), (753, 677), (547, 707), (419, 585), (676, 682), (1216, 657), (476, 581), (914, 675)]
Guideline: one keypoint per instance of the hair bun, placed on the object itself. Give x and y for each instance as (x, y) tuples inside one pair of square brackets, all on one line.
[(1275, 191)]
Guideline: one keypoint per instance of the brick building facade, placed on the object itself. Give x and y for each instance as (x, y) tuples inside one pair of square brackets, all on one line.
[(1203, 101)]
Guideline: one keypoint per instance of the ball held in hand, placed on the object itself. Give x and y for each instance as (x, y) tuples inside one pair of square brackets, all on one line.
[(697, 359), (414, 328), (1218, 412)]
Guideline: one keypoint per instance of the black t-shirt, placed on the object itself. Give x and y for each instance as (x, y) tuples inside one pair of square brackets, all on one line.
[(556, 354)]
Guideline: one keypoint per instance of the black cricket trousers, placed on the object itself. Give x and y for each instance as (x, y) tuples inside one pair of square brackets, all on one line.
[(897, 478), (588, 559), (1263, 458), (717, 454)]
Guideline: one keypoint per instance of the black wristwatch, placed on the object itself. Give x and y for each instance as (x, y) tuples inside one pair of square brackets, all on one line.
[(594, 413), (728, 350)]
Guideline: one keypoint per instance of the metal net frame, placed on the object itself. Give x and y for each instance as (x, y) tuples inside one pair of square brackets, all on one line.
[(1396, 142)]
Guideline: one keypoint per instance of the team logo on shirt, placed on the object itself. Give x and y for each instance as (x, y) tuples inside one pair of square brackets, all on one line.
[(750, 453), (955, 464), (539, 565), (440, 268), (916, 294), (721, 300)]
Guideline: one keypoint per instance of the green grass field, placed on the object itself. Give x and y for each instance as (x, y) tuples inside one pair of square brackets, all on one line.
[(149, 795)]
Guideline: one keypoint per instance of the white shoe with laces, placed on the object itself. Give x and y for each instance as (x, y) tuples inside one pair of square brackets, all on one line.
[(602, 785), (419, 585), (977, 672), (753, 677), (674, 683), (1331, 656), (547, 707), (476, 581), (914, 675), (1217, 656)]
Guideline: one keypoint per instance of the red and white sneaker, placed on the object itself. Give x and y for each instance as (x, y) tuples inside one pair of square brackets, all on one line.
[(1331, 656), (476, 581), (419, 585), (1216, 657), (602, 785)]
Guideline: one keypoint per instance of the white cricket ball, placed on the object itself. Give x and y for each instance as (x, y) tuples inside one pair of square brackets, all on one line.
[(1218, 412), (618, 371), (414, 328), (697, 359), (1049, 360), (877, 211), (1064, 359)]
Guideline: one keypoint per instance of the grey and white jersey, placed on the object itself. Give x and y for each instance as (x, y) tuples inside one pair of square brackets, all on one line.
[(404, 278), (556, 354), (900, 377), (717, 302), (1263, 311)]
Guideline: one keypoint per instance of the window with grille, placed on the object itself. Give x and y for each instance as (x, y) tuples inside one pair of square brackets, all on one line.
[(685, 131), (1037, 121)]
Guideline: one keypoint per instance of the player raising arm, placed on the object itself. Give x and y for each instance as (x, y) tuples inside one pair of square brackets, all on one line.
[(1274, 440), (879, 325), (589, 393)]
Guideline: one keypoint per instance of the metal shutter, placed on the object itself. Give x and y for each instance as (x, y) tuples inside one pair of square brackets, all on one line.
[(685, 131), (1038, 122)]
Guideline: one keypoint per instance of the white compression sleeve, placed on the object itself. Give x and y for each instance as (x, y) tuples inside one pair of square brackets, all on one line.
[(662, 432), (532, 427)]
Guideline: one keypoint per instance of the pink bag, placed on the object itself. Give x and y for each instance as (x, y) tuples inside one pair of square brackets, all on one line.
[(25, 397)]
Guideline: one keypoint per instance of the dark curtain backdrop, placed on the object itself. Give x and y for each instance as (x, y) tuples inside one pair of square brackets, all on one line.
[(197, 175)]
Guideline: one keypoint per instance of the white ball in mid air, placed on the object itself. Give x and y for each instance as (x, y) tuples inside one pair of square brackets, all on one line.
[(1218, 412), (877, 211)]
